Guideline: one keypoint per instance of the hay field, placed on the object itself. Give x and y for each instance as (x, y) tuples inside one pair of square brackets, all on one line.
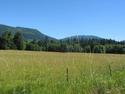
[(26, 72)]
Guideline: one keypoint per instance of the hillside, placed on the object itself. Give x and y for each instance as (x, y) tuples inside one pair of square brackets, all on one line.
[(28, 33), (80, 43), (82, 37), (31, 34)]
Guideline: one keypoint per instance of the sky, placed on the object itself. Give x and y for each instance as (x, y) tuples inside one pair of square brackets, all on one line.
[(63, 18)]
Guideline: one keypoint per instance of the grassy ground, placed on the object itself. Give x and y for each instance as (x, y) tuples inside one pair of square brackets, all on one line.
[(24, 72)]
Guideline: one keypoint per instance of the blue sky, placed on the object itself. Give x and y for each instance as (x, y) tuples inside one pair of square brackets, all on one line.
[(62, 18)]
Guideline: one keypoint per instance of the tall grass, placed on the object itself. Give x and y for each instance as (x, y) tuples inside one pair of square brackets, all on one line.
[(23, 72)]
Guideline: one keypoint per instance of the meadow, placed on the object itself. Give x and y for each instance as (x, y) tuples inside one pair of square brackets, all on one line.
[(27, 72)]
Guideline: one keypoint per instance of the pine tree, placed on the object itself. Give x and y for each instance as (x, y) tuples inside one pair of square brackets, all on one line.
[(18, 41)]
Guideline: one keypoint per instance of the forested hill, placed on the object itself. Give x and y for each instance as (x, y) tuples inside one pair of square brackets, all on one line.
[(84, 37), (27, 33), (34, 34), (20, 38)]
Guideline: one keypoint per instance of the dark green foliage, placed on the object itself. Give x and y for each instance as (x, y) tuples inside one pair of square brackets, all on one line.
[(63, 46), (18, 41), (116, 49), (87, 49), (95, 45), (6, 41), (33, 46), (31, 39), (99, 49), (77, 48)]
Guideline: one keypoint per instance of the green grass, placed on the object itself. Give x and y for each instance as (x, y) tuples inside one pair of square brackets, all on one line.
[(23, 72)]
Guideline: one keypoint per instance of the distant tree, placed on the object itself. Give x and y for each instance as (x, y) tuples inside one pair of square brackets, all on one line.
[(18, 41), (10, 41), (69, 48), (6, 41), (87, 49), (77, 48), (33, 47), (123, 50), (63, 46), (99, 49)]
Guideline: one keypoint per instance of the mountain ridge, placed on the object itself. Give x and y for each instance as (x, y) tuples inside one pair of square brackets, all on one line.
[(35, 34), (82, 37), (27, 33)]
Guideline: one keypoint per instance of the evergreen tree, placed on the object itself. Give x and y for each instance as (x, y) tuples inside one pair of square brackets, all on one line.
[(18, 41), (6, 41)]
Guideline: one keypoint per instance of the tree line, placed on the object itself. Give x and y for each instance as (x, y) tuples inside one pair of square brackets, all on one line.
[(17, 42)]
